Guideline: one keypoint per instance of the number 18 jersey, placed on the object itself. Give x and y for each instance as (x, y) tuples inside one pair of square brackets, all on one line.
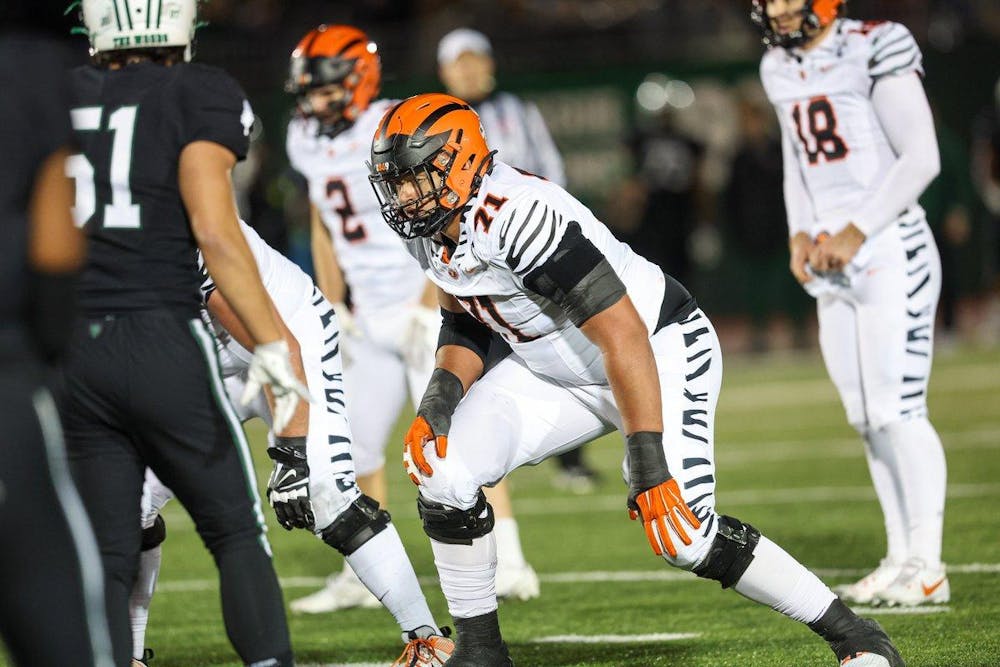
[(376, 266), (131, 125), (823, 100)]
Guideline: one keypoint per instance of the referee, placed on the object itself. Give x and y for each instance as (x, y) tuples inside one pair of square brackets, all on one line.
[(51, 595)]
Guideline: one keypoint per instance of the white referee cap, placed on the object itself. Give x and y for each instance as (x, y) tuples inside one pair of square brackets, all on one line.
[(462, 40)]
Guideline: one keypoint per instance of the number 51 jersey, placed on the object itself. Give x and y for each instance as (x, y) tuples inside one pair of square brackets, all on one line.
[(132, 124), (376, 266), (823, 101)]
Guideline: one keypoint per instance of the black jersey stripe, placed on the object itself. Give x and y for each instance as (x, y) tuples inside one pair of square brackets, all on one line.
[(516, 253), (875, 63), (545, 247), (524, 224), (896, 70), (883, 47)]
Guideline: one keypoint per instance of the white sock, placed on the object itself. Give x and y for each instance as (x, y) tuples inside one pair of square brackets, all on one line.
[(384, 568), (468, 575), (508, 540), (142, 594), (921, 472), (881, 465), (776, 579)]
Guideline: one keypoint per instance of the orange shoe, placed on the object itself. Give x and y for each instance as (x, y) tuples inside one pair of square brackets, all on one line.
[(431, 651)]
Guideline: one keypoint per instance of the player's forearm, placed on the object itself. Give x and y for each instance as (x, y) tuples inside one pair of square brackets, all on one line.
[(905, 115), (203, 177), (465, 364), (630, 365), (329, 277)]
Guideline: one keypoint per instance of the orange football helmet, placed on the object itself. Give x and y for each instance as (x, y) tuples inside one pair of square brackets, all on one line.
[(816, 14), (435, 144), (339, 54)]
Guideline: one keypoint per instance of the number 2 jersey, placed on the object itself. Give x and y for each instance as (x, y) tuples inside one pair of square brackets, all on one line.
[(131, 125), (512, 227), (376, 266), (823, 100)]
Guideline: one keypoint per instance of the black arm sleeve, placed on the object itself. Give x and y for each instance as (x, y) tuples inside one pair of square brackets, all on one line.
[(464, 330), (577, 277)]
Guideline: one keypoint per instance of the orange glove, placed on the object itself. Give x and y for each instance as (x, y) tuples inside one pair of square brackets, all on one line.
[(659, 506), (419, 434)]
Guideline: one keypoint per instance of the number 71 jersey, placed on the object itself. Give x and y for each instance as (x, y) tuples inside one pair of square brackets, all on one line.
[(823, 100), (376, 266)]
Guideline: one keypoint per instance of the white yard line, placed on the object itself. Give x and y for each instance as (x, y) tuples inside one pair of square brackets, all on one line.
[(616, 639), (592, 577)]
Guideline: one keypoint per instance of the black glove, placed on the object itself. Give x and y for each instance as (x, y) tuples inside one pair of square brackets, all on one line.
[(647, 465), (288, 487)]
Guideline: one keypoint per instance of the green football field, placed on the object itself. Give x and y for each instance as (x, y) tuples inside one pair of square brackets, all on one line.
[(786, 462)]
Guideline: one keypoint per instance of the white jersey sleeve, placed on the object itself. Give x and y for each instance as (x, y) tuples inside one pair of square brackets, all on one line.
[(893, 51)]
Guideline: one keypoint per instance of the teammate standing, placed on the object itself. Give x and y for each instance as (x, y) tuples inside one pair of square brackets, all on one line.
[(389, 342), (859, 147), (602, 340), (516, 129), (51, 590), (159, 137)]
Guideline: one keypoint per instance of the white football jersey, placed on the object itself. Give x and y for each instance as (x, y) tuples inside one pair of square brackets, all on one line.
[(288, 286), (823, 101), (512, 226), (376, 266)]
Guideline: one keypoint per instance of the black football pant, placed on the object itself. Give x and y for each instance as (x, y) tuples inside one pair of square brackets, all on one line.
[(144, 389), (51, 597)]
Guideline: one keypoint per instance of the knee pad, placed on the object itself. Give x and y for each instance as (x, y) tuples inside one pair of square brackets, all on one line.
[(153, 536), (454, 526), (731, 552), (360, 522)]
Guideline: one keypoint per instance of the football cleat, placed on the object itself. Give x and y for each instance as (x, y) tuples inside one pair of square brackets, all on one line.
[(519, 583), (429, 651), (147, 655), (865, 589), (916, 585), (342, 591), (867, 645)]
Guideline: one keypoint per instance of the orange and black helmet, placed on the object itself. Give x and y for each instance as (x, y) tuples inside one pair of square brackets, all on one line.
[(816, 14), (338, 54), (435, 143)]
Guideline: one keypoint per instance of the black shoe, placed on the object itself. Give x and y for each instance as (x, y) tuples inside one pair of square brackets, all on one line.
[(478, 643), (856, 641), (147, 655)]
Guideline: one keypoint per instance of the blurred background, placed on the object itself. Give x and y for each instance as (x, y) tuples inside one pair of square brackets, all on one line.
[(657, 110)]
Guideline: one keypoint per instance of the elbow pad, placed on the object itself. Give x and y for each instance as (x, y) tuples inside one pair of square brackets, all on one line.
[(464, 330), (577, 277)]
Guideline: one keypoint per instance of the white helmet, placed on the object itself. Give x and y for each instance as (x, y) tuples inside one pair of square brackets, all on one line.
[(117, 25)]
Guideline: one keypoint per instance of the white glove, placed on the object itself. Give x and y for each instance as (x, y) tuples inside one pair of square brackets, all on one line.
[(348, 329), (271, 366), (420, 336)]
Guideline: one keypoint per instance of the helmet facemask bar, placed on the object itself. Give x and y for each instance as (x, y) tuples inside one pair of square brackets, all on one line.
[(427, 181), (811, 23)]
